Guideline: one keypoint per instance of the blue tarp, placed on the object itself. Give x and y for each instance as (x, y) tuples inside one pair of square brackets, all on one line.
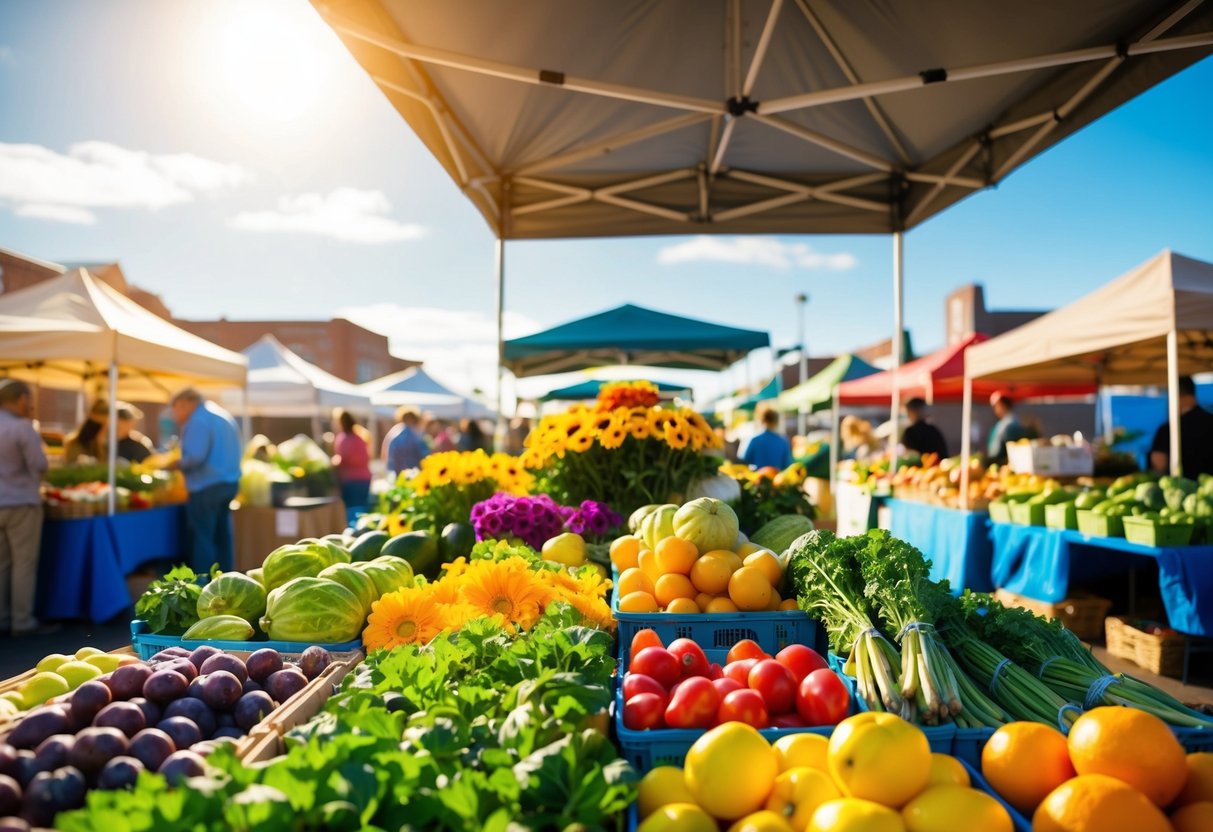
[(956, 542)]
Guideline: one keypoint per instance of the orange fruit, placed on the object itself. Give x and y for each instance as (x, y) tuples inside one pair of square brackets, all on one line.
[(1133, 746), (768, 564), (624, 551), (673, 585), (775, 601), (732, 558), (633, 580), (703, 599), (1195, 817), (676, 555), (683, 606), (1024, 761), (711, 574), (788, 604), (647, 562), (638, 602), (946, 770), (644, 638), (749, 589), (1098, 802), (720, 605), (1198, 786), (749, 548)]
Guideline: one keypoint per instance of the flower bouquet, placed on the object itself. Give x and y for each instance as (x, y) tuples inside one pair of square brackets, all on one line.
[(536, 519), (626, 451), (448, 484), (765, 495)]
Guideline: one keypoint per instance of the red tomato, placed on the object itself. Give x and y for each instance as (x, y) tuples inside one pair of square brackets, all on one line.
[(644, 711), (776, 684), (724, 686), (745, 649), (744, 705), (643, 639), (691, 657), (740, 670), (800, 660), (693, 705), (715, 671), (635, 683), (823, 699), (659, 663), (791, 720)]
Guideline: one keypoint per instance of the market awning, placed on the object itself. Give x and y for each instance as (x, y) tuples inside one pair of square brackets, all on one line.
[(630, 117), (817, 393), (415, 387), (631, 334), (769, 391), (1115, 335), (589, 390), (281, 383)]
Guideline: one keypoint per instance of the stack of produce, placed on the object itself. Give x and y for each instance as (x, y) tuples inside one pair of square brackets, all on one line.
[(763, 495), (164, 715), (1119, 770), (58, 674), (83, 490), (875, 773)]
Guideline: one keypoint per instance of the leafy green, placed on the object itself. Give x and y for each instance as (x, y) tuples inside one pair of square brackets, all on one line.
[(761, 501), (170, 604)]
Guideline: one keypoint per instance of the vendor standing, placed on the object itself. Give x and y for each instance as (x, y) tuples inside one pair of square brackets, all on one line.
[(1006, 429), (920, 435), (22, 464), (1195, 436), (210, 461), (769, 449)]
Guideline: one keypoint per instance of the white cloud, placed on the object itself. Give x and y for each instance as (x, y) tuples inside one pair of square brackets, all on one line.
[(755, 251), (56, 213), (40, 182), (347, 214)]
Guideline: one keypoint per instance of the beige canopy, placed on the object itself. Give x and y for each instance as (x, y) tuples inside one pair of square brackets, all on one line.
[(72, 327)]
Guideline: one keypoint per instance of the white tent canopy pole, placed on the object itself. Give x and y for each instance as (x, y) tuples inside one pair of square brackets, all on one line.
[(112, 431), (966, 440), (898, 312), (500, 258), (1176, 461)]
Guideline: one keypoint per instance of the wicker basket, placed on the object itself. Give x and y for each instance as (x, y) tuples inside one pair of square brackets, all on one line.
[(1161, 654), (1082, 614)]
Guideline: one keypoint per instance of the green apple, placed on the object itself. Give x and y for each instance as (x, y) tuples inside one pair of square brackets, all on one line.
[(41, 687), (105, 662), (15, 697), (77, 673), (84, 652), (51, 663)]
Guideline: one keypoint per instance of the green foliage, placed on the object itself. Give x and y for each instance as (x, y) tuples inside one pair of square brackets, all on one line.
[(824, 570), (761, 501), (170, 604), (124, 477)]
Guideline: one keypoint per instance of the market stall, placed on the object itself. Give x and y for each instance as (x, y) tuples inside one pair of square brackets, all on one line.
[(588, 390), (416, 388)]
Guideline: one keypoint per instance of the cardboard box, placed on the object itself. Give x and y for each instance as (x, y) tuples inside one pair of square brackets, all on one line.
[(261, 530)]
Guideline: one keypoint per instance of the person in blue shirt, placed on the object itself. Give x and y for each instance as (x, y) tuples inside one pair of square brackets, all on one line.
[(210, 461), (769, 448), (408, 447)]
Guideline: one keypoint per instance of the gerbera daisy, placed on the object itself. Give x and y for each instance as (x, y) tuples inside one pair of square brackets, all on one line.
[(406, 616), (594, 612), (507, 588)]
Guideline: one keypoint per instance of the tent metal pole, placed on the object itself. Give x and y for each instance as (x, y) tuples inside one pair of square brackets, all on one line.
[(246, 418), (802, 421), (835, 444), (966, 440), (112, 432), (500, 265), (898, 325), (1176, 460)]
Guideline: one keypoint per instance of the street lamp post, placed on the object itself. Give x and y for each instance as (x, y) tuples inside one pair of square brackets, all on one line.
[(802, 421)]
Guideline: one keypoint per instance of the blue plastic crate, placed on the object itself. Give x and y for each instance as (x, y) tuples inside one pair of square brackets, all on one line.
[(939, 737), (1194, 739), (968, 743), (837, 662), (148, 644), (1020, 823)]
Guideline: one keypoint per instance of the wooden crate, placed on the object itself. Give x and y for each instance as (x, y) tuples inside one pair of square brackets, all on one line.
[(1161, 654), (1083, 614)]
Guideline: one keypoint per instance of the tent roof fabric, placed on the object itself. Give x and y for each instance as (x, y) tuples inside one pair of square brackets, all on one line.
[(281, 383), (808, 116), (939, 376), (769, 391), (415, 387), (86, 324), (631, 335), (589, 390), (1115, 335), (817, 393)]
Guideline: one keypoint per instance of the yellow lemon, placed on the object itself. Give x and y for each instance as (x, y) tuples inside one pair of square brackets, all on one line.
[(661, 786), (946, 770), (731, 770), (678, 817), (851, 814), (797, 750), (946, 808)]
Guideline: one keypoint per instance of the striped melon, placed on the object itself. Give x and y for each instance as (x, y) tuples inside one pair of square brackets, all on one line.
[(778, 534), (314, 610)]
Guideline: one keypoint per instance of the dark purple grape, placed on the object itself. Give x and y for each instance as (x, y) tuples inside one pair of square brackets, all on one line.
[(88, 699), (196, 711), (69, 786), (252, 708), (8, 759), (95, 747), (165, 686), (127, 717), (249, 686), (182, 764), (285, 683), (231, 733), (50, 793), (52, 752), (201, 654), (10, 796), (170, 653), (228, 662), (225, 719), (14, 824), (151, 711), (120, 773), (195, 690), (38, 725), (128, 680), (152, 747), (261, 663), (183, 666), (221, 690), (183, 732), (26, 767), (314, 661)]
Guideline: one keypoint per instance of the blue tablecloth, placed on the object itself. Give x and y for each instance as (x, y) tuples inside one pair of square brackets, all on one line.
[(957, 542), (84, 563), (1040, 563)]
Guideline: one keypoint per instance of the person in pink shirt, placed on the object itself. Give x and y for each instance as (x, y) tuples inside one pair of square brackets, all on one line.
[(351, 462)]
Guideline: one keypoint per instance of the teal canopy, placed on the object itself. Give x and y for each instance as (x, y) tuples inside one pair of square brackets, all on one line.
[(631, 335), (818, 392), (589, 390), (770, 391)]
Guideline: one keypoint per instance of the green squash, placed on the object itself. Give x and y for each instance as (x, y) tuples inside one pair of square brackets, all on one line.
[(314, 610), (232, 593), (355, 580)]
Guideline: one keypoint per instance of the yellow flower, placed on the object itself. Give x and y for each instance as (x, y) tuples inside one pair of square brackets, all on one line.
[(581, 441), (616, 430), (406, 616), (453, 570), (534, 458), (591, 582), (594, 611), (507, 588), (677, 433), (638, 423), (601, 421)]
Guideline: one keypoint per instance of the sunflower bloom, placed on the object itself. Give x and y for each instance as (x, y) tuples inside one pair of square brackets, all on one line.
[(506, 588), (616, 431), (581, 441), (406, 616), (676, 433), (638, 424)]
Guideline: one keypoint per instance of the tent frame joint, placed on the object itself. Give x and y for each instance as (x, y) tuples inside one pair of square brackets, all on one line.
[(738, 106)]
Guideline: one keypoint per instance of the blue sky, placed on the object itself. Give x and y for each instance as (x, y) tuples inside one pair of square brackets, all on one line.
[(279, 183)]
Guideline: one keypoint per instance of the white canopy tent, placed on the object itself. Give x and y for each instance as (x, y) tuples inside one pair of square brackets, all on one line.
[(1151, 324), (415, 387), (73, 329)]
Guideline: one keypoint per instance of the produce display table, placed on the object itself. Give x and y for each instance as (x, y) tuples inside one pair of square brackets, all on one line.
[(84, 562), (856, 508), (956, 542), (1040, 563), (261, 530)]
